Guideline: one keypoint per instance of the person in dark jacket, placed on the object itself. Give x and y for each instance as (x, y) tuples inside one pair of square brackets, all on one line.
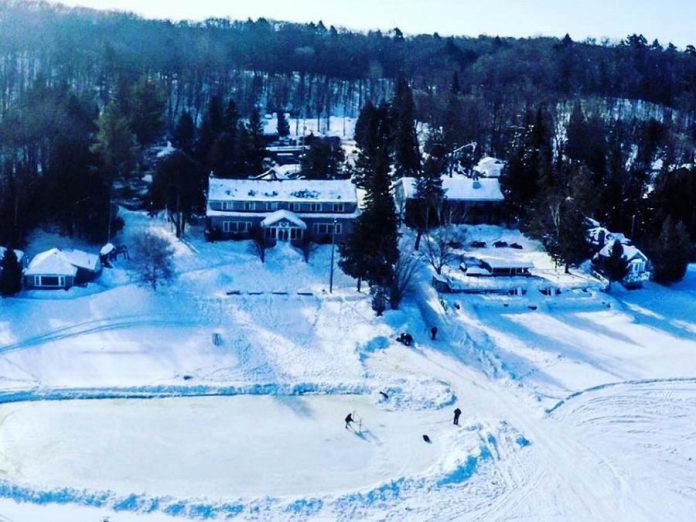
[(349, 420), (433, 332), (457, 413)]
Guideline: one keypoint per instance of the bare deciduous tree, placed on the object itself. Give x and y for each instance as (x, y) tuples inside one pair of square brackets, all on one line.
[(404, 270), (440, 244), (153, 258)]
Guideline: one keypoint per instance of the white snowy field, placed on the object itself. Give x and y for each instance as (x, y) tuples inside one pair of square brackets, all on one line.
[(575, 407)]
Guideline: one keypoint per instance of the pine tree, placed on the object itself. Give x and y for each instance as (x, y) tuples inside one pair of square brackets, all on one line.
[(184, 134), (365, 126), (115, 144), (576, 136), (373, 133), (212, 126), (231, 118), (568, 244), (371, 251), (10, 274), (322, 160), (146, 115), (176, 187), (254, 150), (223, 158), (407, 161), (283, 125), (670, 252), (615, 267), (429, 194)]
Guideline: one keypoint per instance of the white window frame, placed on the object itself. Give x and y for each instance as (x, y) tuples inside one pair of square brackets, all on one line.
[(228, 205), (314, 207), (272, 205), (296, 207), (250, 206), (339, 207), (38, 282)]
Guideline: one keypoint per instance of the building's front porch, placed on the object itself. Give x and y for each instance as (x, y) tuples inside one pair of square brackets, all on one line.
[(284, 225)]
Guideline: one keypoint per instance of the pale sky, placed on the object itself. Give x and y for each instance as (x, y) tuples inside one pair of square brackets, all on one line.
[(667, 20)]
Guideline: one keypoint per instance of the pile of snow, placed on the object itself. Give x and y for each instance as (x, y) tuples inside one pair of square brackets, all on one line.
[(490, 167)]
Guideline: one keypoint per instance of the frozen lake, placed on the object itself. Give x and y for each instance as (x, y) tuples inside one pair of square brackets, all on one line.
[(215, 447)]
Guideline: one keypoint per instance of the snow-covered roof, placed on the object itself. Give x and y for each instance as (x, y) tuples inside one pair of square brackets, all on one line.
[(630, 252), (490, 167), (599, 235), (166, 150), (502, 263), (18, 253), (281, 172), (299, 190), (65, 263), (81, 259), (51, 262), (107, 249), (461, 189), (280, 215)]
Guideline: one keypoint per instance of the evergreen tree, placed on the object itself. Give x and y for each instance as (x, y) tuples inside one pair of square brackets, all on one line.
[(576, 136), (147, 112), (371, 251), (212, 126), (10, 274), (568, 244), (184, 135), (373, 136), (429, 194), (255, 150), (529, 169), (283, 125), (223, 159), (365, 126), (322, 160), (670, 251), (231, 119), (407, 161), (615, 267), (115, 144), (177, 188)]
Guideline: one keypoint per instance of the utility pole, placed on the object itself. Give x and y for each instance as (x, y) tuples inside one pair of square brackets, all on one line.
[(333, 249)]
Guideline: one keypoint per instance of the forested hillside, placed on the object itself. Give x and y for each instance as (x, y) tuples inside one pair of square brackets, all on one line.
[(83, 94)]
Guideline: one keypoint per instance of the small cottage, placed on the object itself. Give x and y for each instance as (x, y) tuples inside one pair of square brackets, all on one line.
[(58, 269), (637, 262), (602, 239)]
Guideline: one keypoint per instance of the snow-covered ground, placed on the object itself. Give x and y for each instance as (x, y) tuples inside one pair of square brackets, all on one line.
[(116, 402)]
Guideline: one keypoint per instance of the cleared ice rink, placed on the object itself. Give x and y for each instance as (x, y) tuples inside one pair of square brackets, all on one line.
[(211, 447)]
